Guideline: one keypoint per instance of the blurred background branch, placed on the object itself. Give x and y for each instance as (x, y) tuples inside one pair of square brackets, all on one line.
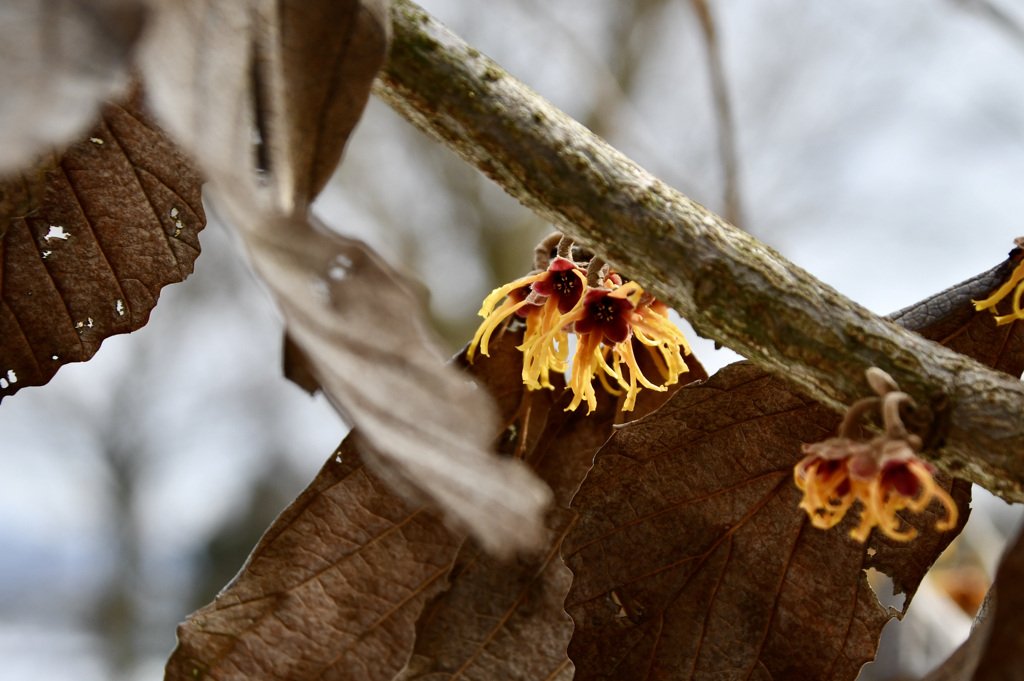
[(733, 208), (1012, 25)]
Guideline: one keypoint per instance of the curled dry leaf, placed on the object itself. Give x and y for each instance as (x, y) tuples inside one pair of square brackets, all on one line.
[(684, 565), (59, 60), (363, 335), (266, 92), (88, 239)]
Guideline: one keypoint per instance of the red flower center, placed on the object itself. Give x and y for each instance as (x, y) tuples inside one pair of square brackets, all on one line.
[(563, 282), (898, 477), (605, 315)]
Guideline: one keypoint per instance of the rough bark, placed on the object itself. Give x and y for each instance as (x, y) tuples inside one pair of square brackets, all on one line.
[(731, 287)]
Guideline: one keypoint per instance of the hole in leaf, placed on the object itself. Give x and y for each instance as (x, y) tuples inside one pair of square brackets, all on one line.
[(883, 587)]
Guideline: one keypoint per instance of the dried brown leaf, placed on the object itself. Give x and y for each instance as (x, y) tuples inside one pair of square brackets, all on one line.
[(686, 566), (88, 240), (265, 92), (334, 588), (332, 591), (523, 413), (366, 343), (505, 620), (691, 556), (648, 400), (59, 61), (337, 53)]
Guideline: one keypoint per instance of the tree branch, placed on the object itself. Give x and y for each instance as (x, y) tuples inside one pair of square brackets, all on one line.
[(730, 287)]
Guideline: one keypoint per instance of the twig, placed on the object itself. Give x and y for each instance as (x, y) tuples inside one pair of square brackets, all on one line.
[(730, 287), (999, 18), (733, 212)]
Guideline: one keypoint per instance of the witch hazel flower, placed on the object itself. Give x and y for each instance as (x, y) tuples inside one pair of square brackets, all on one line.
[(1014, 284), (884, 472), (601, 310), (541, 298), (605, 325)]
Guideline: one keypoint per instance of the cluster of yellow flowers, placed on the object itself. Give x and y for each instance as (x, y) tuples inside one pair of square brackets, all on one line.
[(883, 472), (590, 300), (1015, 284)]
